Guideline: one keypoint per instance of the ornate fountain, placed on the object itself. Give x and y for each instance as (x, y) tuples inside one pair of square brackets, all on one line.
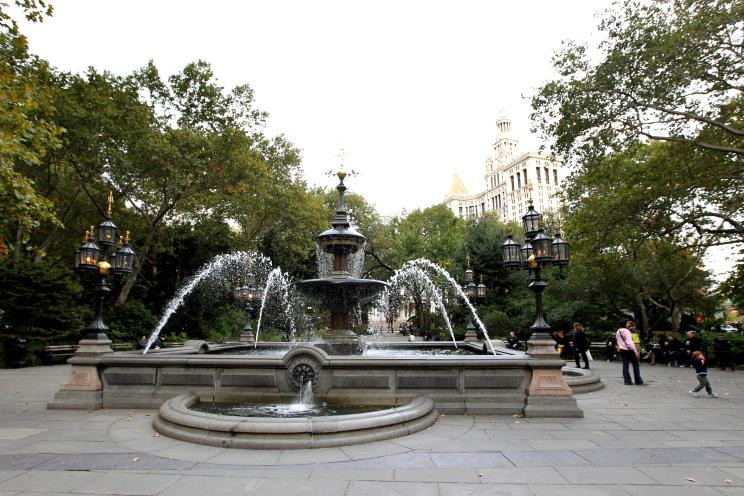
[(341, 292)]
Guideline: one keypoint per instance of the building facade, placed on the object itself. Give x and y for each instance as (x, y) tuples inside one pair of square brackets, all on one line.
[(511, 180)]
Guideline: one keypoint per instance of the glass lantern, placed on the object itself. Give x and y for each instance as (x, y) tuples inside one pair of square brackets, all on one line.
[(542, 247), (531, 221), (481, 289), (107, 232), (526, 251), (510, 253), (123, 259), (86, 258), (560, 251)]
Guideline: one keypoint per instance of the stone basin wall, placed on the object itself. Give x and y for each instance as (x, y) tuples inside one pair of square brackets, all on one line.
[(478, 384)]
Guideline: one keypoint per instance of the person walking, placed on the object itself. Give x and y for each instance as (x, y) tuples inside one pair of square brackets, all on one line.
[(701, 372), (580, 345), (629, 353), (611, 349)]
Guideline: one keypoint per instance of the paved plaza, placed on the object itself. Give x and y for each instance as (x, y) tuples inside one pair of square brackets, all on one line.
[(654, 440)]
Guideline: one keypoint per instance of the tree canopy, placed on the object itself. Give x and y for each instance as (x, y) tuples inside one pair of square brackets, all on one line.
[(668, 71)]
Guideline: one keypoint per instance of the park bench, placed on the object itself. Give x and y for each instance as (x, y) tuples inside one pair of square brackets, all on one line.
[(59, 353)]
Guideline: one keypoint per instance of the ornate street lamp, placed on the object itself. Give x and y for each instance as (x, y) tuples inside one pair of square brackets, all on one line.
[(475, 293), (539, 251), (93, 257), (248, 294)]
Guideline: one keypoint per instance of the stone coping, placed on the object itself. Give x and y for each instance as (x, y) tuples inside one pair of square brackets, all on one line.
[(178, 421), (582, 380)]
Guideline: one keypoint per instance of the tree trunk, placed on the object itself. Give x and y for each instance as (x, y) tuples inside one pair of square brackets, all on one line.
[(644, 316), (139, 261), (676, 318)]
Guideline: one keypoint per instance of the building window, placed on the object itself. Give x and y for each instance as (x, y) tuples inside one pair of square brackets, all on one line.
[(547, 175), (512, 179), (519, 180), (537, 170), (483, 208), (524, 171), (555, 176), (460, 214)]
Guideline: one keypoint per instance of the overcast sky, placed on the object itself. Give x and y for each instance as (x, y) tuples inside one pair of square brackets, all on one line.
[(410, 89)]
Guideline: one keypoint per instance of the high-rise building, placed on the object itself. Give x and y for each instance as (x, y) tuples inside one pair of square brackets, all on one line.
[(511, 180)]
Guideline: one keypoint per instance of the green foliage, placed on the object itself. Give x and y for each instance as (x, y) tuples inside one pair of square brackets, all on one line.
[(733, 287), (39, 301), (225, 326), (736, 341), (434, 233), (668, 71), (128, 322), (496, 322)]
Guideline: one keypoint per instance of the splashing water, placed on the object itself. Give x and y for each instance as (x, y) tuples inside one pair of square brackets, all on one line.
[(235, 264), (423, 262), (277, 282), (409, 271)]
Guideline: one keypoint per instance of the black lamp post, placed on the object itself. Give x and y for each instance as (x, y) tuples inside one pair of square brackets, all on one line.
[(93, 256), (476, 294), (248, 294), (538, 251)]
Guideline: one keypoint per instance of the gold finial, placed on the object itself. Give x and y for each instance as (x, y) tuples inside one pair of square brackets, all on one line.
[(110, 201), (91, 231), (341, 156), (528, 188), (481, 278), (120, 243), (86, 236), (467, 258), (126, 237)]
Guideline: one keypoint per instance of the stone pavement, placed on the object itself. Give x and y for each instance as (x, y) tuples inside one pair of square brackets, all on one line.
[(654, 440)]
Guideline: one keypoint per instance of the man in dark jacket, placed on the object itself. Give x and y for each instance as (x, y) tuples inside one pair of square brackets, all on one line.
[(580, 345), (512, 342), (722, 349), (692, 344)]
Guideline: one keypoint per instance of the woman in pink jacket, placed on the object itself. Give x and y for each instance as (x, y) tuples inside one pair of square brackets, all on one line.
[(629, 353)]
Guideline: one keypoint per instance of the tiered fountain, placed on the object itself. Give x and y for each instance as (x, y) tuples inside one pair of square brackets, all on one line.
[(399, 392), (341, 292)]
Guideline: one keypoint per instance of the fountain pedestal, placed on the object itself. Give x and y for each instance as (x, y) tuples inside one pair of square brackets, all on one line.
[(83, 389)]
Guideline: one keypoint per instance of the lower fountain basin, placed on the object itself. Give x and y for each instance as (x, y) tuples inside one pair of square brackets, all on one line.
[(178, 420)]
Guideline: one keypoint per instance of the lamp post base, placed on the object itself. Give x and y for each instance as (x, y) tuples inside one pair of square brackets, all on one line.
[(247, 337)]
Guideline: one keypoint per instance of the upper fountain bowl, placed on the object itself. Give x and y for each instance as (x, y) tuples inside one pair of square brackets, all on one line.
[(340, 240)]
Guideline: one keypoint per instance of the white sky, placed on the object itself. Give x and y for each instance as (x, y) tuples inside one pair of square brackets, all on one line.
[(410, 89)]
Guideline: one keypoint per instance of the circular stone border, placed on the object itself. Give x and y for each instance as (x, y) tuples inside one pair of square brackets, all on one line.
[(582, 380), (177, 420)]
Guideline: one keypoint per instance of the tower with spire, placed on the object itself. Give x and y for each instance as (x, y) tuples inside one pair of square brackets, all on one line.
[(511, 178)]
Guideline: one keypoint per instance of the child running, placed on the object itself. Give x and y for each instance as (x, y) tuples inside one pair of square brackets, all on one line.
[(701, 371)]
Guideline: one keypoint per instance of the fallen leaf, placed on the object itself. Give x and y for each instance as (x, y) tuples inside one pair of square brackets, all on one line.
[(156, 435), (692, 479), (599, 434), (728, 481), (135, 459), (481, 475)]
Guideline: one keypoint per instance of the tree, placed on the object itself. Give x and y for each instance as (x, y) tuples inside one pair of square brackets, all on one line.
[(25, 133), (434, 233), (669, 71)]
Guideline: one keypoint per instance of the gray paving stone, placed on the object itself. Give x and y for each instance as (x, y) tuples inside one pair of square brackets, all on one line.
[(693, 455), (245, 457), (469, 460), (41, 481), (212, 486), (9, 474), (553, 458), (484, 490), (119, 461), (404, 460), (677, 476), (380, 474), (604, 475), (676, 491), (437, 475), (578, 490), (127, 484), (370, 450), (521, 475), (73, 447), (365, 488), (561, 444), (311, 456), (621, 457), (291, 487), (22, 461)]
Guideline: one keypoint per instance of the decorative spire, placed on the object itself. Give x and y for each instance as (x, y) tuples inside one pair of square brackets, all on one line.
[(110, 202), (528, 188), (341, 219), (467, 258)]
